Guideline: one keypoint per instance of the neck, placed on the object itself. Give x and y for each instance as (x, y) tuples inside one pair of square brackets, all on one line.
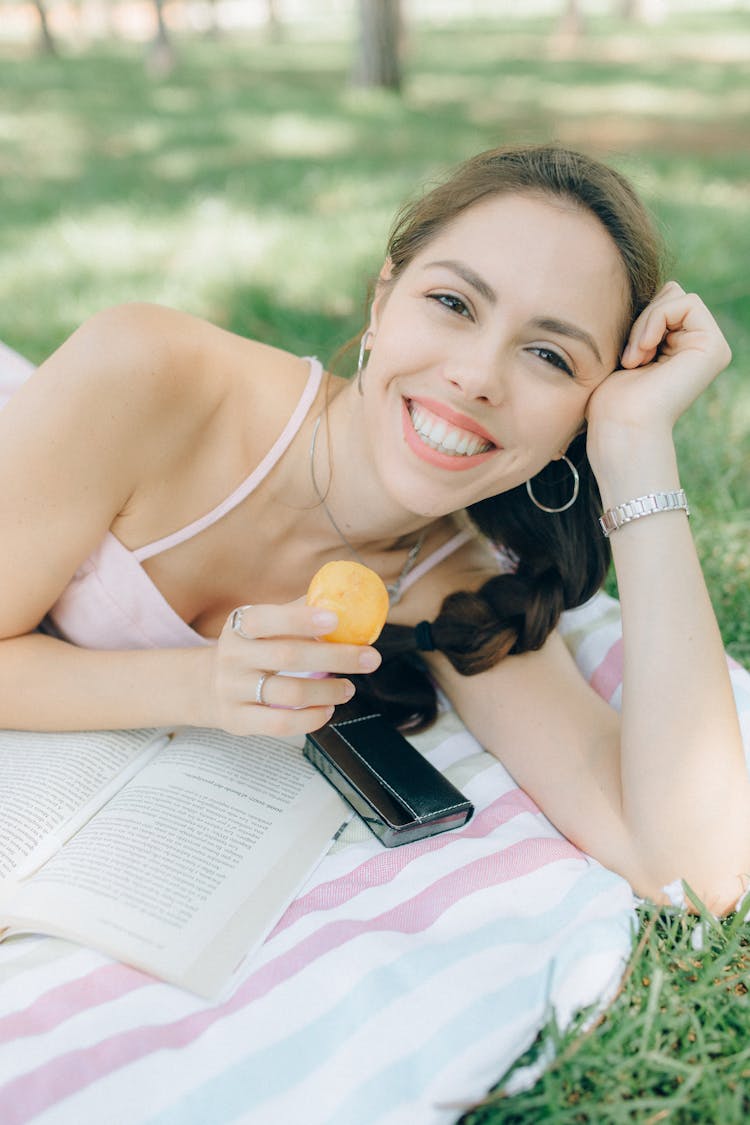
[(345, 530), (344, 484)]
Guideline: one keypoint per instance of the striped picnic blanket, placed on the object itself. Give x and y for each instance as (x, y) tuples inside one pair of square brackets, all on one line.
[(398, 986)]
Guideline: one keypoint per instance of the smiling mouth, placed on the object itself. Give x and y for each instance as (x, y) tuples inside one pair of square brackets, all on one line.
[(444, 437)]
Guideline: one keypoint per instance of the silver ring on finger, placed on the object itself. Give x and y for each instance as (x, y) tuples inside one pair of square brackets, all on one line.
[(235, 621), (259, 688)]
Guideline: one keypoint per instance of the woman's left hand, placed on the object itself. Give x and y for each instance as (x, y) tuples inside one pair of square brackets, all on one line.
[(674, 352)]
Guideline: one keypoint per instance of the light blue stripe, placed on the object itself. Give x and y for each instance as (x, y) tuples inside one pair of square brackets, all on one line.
[(741, 688), (270, 1071), (402, 1081)]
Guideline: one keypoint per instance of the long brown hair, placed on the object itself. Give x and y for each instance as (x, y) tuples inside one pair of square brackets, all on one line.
[(563, 558)]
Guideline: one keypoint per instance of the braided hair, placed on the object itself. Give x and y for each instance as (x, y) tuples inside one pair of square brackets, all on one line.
[(562, 558)]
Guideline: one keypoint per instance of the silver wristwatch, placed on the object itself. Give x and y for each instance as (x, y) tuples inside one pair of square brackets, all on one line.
[(643, 506)]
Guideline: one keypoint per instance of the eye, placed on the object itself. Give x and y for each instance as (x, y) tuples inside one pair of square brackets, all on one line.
[(451, 302), (554, 359)]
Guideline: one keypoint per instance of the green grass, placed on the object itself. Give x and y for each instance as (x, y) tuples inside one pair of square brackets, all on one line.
[(254, 187), (675, 1045)]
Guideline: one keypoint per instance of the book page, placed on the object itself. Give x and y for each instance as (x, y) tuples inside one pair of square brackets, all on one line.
[(50, 784), (206, 845)]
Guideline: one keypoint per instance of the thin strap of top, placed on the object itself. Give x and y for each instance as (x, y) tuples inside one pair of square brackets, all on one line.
[(436, 557), (276, 451)]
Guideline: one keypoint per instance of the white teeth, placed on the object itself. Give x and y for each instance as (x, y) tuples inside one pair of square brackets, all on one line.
[(475, 447), (438, 430), (440, 435)]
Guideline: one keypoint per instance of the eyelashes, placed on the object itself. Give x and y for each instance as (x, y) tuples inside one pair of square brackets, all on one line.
[(554, 359), (459, 307), (452, 303)]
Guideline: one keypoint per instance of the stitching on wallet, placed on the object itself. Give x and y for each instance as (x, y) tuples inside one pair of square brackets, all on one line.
[(420, 819)]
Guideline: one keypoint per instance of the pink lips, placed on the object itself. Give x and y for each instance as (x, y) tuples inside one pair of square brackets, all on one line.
[(461, 421), (447, 461)]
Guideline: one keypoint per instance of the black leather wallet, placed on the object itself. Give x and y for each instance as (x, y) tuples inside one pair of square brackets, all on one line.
[(400, 796)]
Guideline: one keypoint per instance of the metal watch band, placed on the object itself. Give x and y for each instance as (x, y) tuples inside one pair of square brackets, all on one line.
[(647, 505)]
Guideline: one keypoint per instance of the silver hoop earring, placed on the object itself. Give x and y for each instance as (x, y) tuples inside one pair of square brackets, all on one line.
[(574, 497), (361, 359)]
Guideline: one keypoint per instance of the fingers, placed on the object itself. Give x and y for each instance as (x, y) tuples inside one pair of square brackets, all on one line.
[(272, 672), (649, 328), (673, 321), (295, 619), (277, 704), (275, 689), (287, 639), (281, 722)]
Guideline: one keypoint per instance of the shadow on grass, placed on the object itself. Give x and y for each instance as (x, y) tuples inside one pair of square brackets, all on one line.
[(242, 118), (255, 187)]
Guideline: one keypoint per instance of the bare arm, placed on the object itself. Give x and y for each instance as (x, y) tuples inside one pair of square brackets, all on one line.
[(684, 781), (662, 794), (76, 444)]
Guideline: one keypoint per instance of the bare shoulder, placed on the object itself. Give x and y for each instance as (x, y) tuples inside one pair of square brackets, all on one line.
[(140, 356), (109, 429), (152, 371)]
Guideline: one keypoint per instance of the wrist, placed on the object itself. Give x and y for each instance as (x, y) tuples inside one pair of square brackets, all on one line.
[(639, 507), (628, 464), (195, 676)]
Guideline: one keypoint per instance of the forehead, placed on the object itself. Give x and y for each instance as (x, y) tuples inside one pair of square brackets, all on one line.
[(543, 253)]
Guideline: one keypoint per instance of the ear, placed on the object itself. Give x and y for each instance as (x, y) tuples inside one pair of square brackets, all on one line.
[(382, 289), (386, 272)]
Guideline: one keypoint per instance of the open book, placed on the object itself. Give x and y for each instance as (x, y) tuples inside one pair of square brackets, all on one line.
[(175, 852)]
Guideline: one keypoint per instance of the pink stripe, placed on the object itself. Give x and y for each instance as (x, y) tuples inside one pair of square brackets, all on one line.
[(607, 677), (112, 981), (49, 1084), (383, 867), (90, 991)]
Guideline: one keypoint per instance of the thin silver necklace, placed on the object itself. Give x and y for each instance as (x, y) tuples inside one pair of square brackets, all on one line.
[(394, 589)]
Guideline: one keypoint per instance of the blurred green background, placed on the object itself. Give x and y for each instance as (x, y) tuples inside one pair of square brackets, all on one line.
[(242, 177)]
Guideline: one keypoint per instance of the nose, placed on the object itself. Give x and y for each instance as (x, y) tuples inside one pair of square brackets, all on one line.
[(477, 377)]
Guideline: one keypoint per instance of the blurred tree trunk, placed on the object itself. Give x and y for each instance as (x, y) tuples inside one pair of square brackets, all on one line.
[(570, 27), (162, 38), (645, 11), (214, 29), (378, 61), (160, 57), (46, 40), (571, 24), (273, 21)]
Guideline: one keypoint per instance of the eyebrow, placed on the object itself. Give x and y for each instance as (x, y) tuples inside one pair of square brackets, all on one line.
[(544, 323), (470, 277), (563, 328)]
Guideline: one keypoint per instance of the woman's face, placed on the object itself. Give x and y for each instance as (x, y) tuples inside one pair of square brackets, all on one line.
[(487, 348)]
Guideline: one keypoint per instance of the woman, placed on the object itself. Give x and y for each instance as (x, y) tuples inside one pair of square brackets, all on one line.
[(521, 360)]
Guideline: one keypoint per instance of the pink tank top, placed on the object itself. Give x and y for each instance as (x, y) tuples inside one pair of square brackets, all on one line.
[(111, 603)]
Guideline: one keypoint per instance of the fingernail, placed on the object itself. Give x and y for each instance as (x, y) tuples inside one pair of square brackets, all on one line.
[(349, 689), (369, 661), (324, 619)]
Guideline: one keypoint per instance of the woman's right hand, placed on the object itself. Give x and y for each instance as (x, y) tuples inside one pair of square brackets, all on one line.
[(276, 639)]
